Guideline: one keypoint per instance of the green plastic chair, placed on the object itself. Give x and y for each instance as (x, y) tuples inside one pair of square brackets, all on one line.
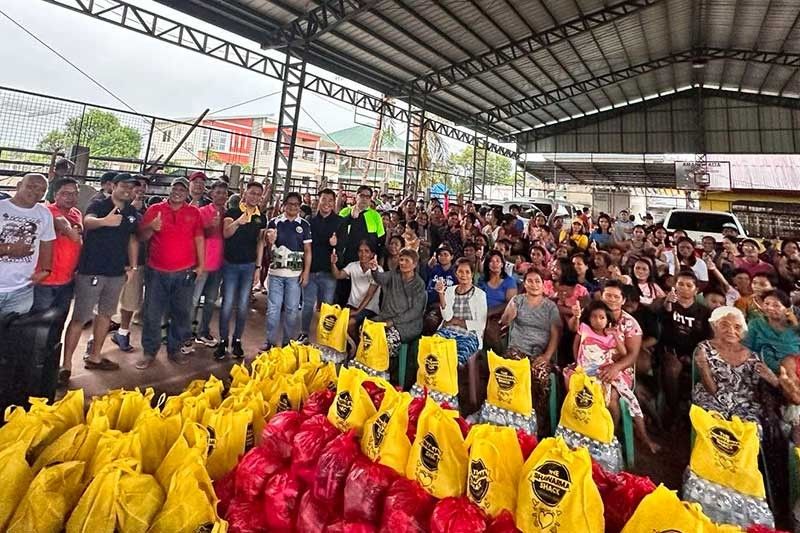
[(553, 402), (402, 365), (627, 433)]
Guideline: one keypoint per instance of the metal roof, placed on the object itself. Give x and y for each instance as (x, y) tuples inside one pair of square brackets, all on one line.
[(605, 174), (508, 66)]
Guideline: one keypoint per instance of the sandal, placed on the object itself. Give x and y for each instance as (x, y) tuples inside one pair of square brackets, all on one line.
[(103, 364), (63, 377)]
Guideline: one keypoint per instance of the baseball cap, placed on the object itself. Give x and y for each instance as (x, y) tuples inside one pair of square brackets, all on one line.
[(108, 176), (124, 177), (197, 175), (730, 225), (180, 181)]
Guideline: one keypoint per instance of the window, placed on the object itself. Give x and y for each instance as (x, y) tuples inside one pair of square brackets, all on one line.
[(166, 136), (220, 140), (381, 163)]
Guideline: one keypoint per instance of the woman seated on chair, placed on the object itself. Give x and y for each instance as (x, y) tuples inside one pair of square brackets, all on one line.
[(404, 299), (364, 292), (463, 311), (775, 334), (500, 288), (534, 331), (727, 371)]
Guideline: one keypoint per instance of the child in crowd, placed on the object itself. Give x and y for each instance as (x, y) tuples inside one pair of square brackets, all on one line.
[(364, 292)]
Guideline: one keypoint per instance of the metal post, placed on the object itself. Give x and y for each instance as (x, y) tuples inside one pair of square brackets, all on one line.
[(521, 171), (294, 75), (414, 138), (149, 143), (479, 159)]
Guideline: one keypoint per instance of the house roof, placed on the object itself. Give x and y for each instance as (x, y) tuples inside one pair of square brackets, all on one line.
[(359, 137)]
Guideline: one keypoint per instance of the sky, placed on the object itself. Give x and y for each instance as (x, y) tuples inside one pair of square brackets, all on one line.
[(150, 76)]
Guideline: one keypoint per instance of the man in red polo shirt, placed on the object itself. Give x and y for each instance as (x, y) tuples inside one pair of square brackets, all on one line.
[(175, 231)]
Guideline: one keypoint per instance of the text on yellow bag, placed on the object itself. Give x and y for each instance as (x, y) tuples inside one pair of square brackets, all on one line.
[(584, 409), (437, 360), (352, 406), (510, 384), (385, 440), (373, 349), (332, 327), (495, 463)]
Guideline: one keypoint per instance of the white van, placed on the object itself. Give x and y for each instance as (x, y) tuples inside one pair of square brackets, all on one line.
[(697, 223)]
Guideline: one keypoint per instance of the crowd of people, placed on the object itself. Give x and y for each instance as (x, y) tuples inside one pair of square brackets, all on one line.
[(660, 320)]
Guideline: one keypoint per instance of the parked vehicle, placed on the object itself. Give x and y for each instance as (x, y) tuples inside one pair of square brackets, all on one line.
[(699, 223)]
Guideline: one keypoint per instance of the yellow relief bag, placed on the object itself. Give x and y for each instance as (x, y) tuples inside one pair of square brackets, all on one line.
[(191, 504), (78, 443), (352, 406), (332, 327), (95, 510), (156, 434), (324, 377), (438, 458), (20, 425), (373, 349), (726, 452), (62, 415), (193, 445), (556, 492), (240, 376), (287, 394), (438, 364), (662, 510), (134, 403), (495, 463), (228, 429), (107, 405), (510, 384), (139, 499), (17, 476), (249, 397), (50, 498), (585, 410), (385, 440)]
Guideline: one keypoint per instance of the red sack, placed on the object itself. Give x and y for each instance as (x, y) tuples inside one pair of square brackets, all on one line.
[(279, 432), (341, 526), (463, 425), (312, 516), (281, 498), (457, 515), (527, 443), (407, 508), (414, 410), (333, 466), (253, 471), (621, 494), (364, 490), (375, 392), (309, 441), (317, 403), (246, 517), (224, 488), (604, 480), (756, 528), (503, 523)]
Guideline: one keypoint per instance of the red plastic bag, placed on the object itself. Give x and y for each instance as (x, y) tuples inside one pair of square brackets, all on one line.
[(252, 472), (225, 488), (414, 410), (246, 517), (312, 516), (527, 443), (755, 528), (281, 499), (457, 515), (503, 523), (621, 494), (309, 441), (407, 508), (342, 526), (463, 425), (317, 403), (279, 432), (333, 466), (375, 392), (365, 489)]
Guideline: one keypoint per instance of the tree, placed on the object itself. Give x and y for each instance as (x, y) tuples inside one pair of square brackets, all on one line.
[(99, 130), (498, 168)]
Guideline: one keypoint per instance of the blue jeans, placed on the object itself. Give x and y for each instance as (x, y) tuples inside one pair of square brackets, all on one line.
[(237, 279), (54, 296), (18, 301), (167, 295), (321, 287), (284, 294), (207, 286)]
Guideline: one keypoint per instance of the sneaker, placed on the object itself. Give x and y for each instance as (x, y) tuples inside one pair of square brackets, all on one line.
[(179, 358), (145, 362), (89, 347), (123, 341), (187, 348), (113, 326), (302, 339), (207, 340), (236, 349), (222, 350)]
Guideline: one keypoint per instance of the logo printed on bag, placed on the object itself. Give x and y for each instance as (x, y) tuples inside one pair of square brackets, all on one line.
[(430, 454), (431, 364), (328, 323), (505, 378), (725, 441), (284, 404), (208, 527), (379, 428), (250, 437), (584, 399), (478, 480), (366, 340), (344, 405), (551, 482), (212, 439)]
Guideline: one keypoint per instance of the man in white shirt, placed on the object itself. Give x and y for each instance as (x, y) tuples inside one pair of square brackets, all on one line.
[(26, 239)]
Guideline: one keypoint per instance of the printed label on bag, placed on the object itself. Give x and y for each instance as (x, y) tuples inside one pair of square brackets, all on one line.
[(724, 441), (250, 437), (430, 454), (344, 405), (584, 399), (284, 404), (328, 323), (431, 364), (366, 340), (505, 378), (208, 527), (379, 428), (551, 482), (478, 480), (212, 439)]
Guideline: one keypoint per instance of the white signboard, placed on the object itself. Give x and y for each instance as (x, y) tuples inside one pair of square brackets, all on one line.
[(719, 175)]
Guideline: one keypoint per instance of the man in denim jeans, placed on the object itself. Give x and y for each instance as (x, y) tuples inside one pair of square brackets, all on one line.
[(290, 239), (176, 254), (321, 283), (243, 230)]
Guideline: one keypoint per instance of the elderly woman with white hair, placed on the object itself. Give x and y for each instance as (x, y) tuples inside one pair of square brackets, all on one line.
[(728, 371)]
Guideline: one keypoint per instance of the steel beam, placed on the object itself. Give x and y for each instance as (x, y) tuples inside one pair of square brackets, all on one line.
[(480, 158), (461, 71), (288, 117), (520, 168), (415, 133), (322, 19)]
